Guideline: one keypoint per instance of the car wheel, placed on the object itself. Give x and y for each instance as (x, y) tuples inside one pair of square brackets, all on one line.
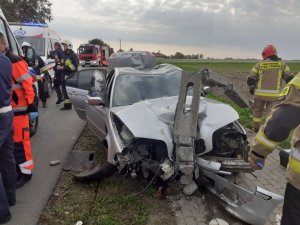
[(98, 173), (49, 87), (33, 125)]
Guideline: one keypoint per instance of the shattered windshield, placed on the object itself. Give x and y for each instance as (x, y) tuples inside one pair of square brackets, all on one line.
[(37, 42), (130, 89)]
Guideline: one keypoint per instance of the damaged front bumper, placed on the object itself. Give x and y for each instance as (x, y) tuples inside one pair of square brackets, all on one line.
[(251, 207)]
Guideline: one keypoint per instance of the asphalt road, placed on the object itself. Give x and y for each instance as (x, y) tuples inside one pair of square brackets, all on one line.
[(57, 133)]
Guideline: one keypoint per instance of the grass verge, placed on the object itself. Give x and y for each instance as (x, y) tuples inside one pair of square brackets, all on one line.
[(109, 202)]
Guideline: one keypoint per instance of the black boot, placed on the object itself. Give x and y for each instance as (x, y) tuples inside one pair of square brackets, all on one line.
[(22, 180), (59, 101), (4, 219), (67, 105)]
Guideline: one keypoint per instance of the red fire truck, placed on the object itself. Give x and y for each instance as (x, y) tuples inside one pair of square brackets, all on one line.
[(92, 55)]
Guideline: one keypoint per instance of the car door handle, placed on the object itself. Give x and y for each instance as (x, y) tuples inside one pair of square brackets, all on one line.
[(73, 92)]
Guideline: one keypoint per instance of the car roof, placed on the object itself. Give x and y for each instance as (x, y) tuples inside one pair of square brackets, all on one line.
[(157, 70)]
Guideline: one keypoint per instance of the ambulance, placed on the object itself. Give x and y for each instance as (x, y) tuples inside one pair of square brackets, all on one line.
[(41, 37), (30, 58)]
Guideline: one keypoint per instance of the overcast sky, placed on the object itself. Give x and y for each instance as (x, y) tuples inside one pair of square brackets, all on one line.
[(215, 28)]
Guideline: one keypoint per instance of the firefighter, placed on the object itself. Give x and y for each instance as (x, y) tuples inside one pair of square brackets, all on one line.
[(7, 160), (58, 54), (39, 69), (68, 67), (264, 82), (285, 117), (23, 105)]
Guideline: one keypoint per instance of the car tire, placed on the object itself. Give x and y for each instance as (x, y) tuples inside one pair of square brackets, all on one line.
[(98, 173), (33, 125), (49, 87)]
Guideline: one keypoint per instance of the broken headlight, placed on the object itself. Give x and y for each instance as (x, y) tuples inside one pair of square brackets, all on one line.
[(124, 133)]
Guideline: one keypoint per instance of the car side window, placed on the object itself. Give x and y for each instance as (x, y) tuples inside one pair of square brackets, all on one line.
[(2, 29), (13, 43), (97, 87), (9, 37), (72, 80), (84, 79)]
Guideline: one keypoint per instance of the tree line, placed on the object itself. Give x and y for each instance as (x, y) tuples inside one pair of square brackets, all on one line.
[(38, 11)]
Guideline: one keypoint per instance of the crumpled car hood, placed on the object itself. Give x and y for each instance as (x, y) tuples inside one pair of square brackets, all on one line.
[(154, 118)]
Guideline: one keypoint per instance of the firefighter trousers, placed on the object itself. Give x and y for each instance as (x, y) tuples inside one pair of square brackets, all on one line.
[(57, 85), (258, 111), (22, 146), (67, 102), (291, 206), (7, 163)]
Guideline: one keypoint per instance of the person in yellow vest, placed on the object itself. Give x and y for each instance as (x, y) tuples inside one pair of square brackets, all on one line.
[(285, 117), (264, 81)]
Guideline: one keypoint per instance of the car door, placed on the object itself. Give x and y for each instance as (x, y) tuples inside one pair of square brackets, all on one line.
[(96, 115), (78, 87)]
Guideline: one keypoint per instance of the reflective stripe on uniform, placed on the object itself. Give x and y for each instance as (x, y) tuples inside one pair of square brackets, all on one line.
[(23, 77), (295, 81), (255, 119), (270, 65), (25, 171), (16, 86), (260, 72), (279, 79), (26, 167), (254, 70), (294, 164), (69, 64), (5, 109), (20, 109), (27, 163), (264, 92), (67, 101), (262, 139)]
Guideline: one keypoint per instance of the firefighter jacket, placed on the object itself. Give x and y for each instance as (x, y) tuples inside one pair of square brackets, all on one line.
[(22, 91), (285, 118), (267, 78), (70, 62)]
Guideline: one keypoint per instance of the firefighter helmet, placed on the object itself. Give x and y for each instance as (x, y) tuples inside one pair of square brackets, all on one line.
[(68, 43), (268, 51), (26, 44)]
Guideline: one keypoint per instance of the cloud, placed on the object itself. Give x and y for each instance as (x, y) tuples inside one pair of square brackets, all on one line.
[(227, 25)]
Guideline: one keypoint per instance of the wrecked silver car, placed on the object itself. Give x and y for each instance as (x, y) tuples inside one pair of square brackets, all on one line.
[(158, 122)]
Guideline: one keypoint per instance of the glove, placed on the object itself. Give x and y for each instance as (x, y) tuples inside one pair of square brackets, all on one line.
[(251, 91), (256, 164), (32, 108), (33, 115)]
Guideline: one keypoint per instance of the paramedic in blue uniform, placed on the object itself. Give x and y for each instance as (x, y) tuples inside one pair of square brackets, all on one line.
[(7, 159)]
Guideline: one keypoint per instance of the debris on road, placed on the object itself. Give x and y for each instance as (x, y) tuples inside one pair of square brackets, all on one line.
[(54, 162)]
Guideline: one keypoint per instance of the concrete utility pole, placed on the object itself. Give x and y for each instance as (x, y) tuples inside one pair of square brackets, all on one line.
[(120, 44)]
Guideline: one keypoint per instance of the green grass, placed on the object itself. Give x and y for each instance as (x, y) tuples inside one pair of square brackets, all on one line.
[(244, 114), (225, 66), (111, 201)]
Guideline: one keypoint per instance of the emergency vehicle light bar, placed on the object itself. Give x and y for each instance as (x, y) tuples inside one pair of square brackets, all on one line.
[(30, 24)]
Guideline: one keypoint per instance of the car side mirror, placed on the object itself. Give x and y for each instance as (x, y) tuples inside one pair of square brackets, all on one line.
[(207, 90), (95, 101), (30, 56)]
